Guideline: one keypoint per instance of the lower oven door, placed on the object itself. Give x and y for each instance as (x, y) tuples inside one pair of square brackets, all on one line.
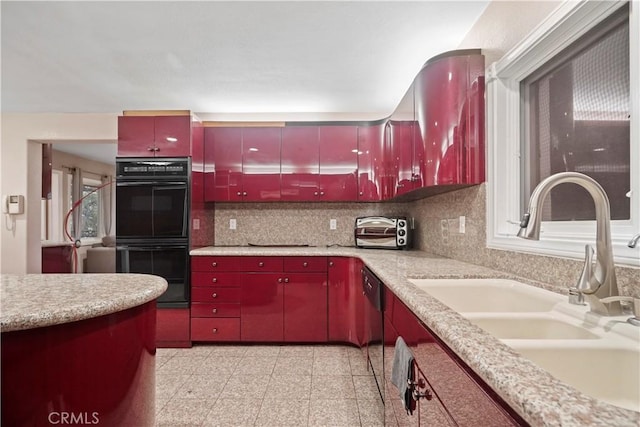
[(169, 261)]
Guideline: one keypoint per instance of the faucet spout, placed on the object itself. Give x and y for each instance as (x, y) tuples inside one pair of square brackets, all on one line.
[(597, 281)]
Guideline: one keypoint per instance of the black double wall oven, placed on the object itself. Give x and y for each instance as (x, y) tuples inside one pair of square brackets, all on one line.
[(152, 222)]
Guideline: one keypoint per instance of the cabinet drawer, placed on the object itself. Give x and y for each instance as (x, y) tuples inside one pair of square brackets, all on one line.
[(223, 280), (200, 309), (216, 263), (305, 263), (215, 329), (263, 263), (216, 295)]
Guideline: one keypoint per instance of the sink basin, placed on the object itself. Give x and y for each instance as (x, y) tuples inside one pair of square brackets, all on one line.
[(609, 374), (531, 327), (489, 295)]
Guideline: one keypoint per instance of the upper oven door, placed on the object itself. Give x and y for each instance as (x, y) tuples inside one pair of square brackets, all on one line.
[(151, 209)]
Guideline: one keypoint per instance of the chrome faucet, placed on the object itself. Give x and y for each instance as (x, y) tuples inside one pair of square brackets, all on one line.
[(595, 282)]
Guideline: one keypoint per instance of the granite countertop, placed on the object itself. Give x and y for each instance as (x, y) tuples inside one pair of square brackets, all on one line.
[(540, 398), (38, 300)]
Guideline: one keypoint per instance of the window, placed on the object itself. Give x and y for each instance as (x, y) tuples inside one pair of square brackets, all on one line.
[(563, 100), (55, 209)]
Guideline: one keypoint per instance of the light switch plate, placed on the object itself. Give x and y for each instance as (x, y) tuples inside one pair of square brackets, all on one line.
[(232, 224), (462, 225), (333, 224), (196, 224)]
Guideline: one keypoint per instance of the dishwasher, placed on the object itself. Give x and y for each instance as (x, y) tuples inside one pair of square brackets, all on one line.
[(373, 289)]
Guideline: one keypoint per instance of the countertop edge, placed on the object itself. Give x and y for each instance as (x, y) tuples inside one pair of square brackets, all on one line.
[(38, 314)]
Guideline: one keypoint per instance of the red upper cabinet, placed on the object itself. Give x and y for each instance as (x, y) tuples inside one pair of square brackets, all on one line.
[(370, 162), (449, 96), (223, 164), (338, 163), (300, 162), (154, 136), (261, 164), (242, 164), (197, 163), (400, 154)]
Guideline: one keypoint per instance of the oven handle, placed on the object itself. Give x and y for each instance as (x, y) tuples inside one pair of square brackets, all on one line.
[(151, 183), (148, 248)]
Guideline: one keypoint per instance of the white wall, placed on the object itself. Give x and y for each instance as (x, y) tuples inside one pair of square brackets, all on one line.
[(21, 170)]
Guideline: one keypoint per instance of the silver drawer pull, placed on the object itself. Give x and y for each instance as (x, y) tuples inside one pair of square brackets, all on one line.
[(214, 311), (214, 295), (261, 264), (214, 264), (214, 280), (305, 264), (215, 330)]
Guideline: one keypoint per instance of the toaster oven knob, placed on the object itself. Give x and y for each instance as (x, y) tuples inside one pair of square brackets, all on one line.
[(401, 223), (401, 241), (401, 232)]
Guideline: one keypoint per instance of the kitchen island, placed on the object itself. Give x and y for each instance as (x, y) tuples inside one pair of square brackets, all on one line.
[(78, 348), (538, 397)]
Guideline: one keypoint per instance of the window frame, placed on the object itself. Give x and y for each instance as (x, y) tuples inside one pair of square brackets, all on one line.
[(504, 166)]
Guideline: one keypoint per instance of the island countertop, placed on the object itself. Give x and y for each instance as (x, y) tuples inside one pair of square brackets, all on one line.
[(39, 300), (540, 398)]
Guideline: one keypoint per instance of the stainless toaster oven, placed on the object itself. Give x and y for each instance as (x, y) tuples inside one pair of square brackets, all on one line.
[(382, 232)]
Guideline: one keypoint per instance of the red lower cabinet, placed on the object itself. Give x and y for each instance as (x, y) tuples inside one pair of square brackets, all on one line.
[(345, 301), (305, 307), (215, 329), (262, 307), (172, 327)]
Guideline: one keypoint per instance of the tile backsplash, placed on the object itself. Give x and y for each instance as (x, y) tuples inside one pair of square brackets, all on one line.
[(437, 221), (436, 231), (294, 223)]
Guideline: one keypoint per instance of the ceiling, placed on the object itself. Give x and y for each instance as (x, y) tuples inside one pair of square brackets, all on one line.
[(234, 60)]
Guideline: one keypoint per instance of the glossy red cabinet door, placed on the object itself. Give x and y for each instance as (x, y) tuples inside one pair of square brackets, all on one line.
[(346, 301), (370, 162), (154, 136), (305, 307), (300, 158), (136, 136), (172, 136), (448, 115), (261, 164), (401, 157), (172, 327), (223, 164), (197, 163), (262, 308), (338, 163)]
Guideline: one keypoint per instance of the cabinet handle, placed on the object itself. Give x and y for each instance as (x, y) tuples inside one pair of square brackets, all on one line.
[(361, 193), (315, 193), (244, 193), (215, 330), (330, 263), (214, 295), (214, 264), (261, 264), (280, 280), (214, 280), (239, 193), (322, 193), (214, 311), (150, 149), (305, 264), (286, 280)]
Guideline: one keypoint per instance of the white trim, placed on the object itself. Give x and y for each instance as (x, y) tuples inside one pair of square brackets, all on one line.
[(562, 27)]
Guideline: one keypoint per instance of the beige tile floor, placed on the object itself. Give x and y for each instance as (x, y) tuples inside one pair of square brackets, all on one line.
[(212, 385)]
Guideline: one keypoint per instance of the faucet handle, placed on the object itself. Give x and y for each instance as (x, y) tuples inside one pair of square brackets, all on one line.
[(584, 282), (635, 320)]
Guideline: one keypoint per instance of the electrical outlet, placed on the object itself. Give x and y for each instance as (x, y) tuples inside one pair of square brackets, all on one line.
[(196, 224), (462, 225), (333, 224), (232, 224)]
